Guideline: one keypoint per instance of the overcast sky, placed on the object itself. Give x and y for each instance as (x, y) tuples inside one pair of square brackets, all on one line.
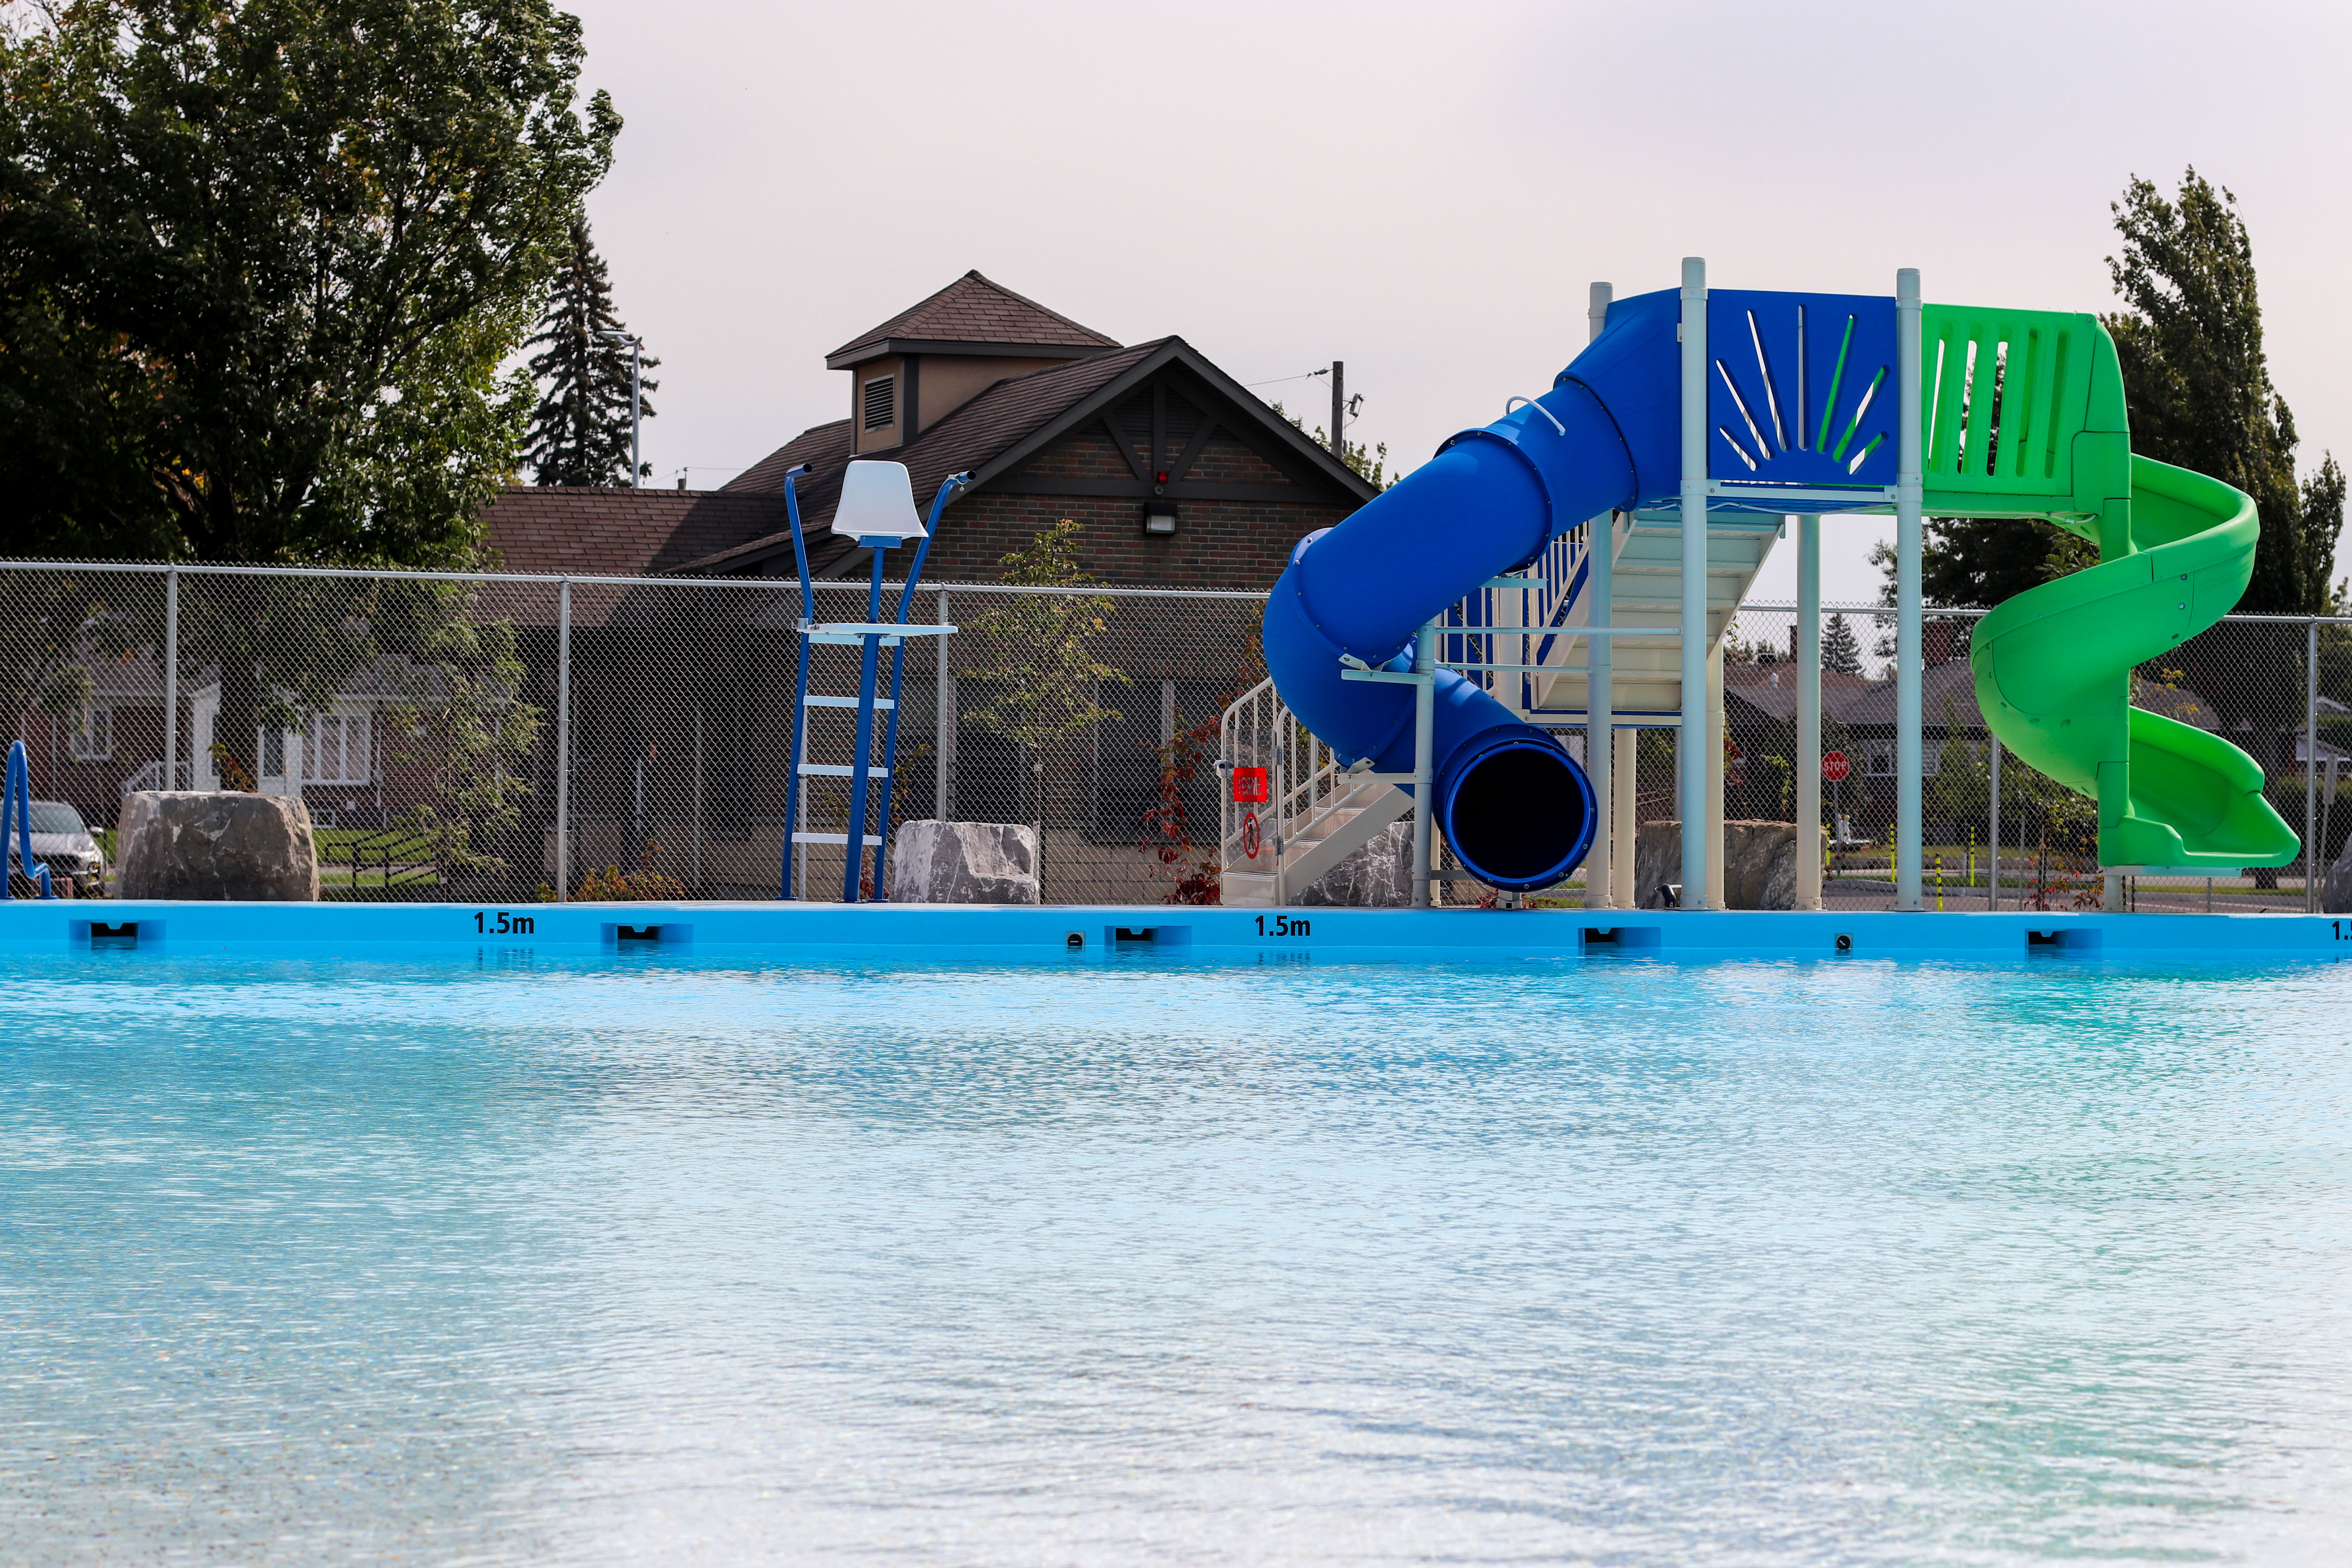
[(1424, 191)]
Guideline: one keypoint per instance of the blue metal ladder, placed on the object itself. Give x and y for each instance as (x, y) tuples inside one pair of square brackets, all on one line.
[(872, 635)]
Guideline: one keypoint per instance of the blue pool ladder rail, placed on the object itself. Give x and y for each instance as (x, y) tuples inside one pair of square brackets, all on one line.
[(16, 814), (871, 635)]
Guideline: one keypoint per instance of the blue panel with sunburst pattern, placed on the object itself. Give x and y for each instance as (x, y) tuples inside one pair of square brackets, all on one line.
[(1801, 389)]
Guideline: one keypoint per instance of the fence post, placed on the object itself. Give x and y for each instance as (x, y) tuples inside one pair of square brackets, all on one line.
[(1992, 850), (564, 741), (2311, 767), (171, 678), (1424, 771), (944, 700)]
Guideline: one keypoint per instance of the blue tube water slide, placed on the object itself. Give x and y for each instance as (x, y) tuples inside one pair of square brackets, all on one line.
[(1514, 806)]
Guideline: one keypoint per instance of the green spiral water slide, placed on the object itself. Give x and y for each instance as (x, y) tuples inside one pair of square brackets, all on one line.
[(2022, 415)]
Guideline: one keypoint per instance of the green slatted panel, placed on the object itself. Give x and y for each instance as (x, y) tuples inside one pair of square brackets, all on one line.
[(2005, 395)]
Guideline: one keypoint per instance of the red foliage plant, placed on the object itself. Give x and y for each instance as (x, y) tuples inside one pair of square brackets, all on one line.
[(1197, 879)]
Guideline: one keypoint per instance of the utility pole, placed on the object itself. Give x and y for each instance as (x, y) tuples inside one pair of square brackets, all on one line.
[(636, 399), (1340, 409)]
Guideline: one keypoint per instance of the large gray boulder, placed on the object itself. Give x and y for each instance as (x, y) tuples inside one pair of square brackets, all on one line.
[(215, 844), (2335, 892), (1376, 875), (934, 862), (1760, 863)]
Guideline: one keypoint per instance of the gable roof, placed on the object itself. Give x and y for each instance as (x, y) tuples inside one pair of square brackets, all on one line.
[(973, 313), (999, 431)]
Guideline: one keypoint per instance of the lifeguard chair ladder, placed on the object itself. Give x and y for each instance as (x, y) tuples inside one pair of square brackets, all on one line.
[(878, 508)]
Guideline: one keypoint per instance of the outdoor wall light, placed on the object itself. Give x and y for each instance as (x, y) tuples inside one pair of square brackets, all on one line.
[(1159, 517)]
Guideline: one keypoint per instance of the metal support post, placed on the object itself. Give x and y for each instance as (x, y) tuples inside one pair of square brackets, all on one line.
[(792, 872), (1340, 409), (943, 759), (1694, 736), (1600, 664), (1910, 755), (172, 678), (697, 796), (564, 741), (1715, 765), (1424, 771), (1992, 850), (869, 660), (1629, 827), (1809, 712), (2311, 845)]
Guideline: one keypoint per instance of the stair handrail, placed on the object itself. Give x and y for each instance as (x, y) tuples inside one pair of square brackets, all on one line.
[(1307, 782), (17, 803)]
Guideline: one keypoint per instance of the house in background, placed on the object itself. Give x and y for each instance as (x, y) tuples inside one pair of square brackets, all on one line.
[(681, 700), (1180, 474)]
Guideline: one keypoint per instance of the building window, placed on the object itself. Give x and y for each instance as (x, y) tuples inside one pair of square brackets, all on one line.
[(91, 739), (881, 402), (335, 752), (1882, 759)]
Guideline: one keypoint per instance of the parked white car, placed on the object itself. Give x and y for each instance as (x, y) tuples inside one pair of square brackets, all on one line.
[(63, 840)]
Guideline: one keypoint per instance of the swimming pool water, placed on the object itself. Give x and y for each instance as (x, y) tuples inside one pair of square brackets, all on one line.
[(680, 1261)]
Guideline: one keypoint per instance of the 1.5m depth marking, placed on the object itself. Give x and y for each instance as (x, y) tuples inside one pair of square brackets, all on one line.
[(503, 924), (1283, 926)]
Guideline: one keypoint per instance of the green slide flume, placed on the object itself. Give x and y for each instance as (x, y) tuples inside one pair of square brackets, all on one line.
[(2023, 416)]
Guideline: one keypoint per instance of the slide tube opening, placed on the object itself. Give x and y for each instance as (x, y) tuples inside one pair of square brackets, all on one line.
[(1519, 813)]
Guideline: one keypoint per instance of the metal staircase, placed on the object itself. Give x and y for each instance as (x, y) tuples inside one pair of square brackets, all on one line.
[(1315, 811), (1646, 675)]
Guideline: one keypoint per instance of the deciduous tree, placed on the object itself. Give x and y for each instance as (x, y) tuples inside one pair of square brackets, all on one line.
[(260, 261)]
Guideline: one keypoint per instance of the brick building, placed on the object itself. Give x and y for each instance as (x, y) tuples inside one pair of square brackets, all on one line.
[(1180, 474)]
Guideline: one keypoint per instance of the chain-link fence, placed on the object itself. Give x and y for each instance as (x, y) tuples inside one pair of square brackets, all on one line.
[(511, 737), (1997, 833)]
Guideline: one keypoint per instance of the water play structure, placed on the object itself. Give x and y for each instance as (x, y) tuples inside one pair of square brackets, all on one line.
[(1621, 517), (1488, 638)]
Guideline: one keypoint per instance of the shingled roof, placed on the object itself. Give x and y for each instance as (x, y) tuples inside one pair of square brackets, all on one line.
[(616, 532), (974, 438), (972, 310)]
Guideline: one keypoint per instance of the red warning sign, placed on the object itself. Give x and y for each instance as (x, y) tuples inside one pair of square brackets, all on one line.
[(1251, 840), (1835, 766), (1249, 787)]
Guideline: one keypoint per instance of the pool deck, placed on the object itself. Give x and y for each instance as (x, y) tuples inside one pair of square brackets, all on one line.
[(1016, 933)]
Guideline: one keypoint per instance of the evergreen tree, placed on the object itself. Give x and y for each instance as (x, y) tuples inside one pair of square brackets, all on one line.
[(2190, 338), (1840, 649), (580, 432)]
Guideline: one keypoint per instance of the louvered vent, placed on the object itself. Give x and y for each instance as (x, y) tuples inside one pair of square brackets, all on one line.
[(881, 402)]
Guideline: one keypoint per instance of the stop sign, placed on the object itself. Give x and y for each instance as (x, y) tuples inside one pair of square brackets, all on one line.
[(1835, 766)]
